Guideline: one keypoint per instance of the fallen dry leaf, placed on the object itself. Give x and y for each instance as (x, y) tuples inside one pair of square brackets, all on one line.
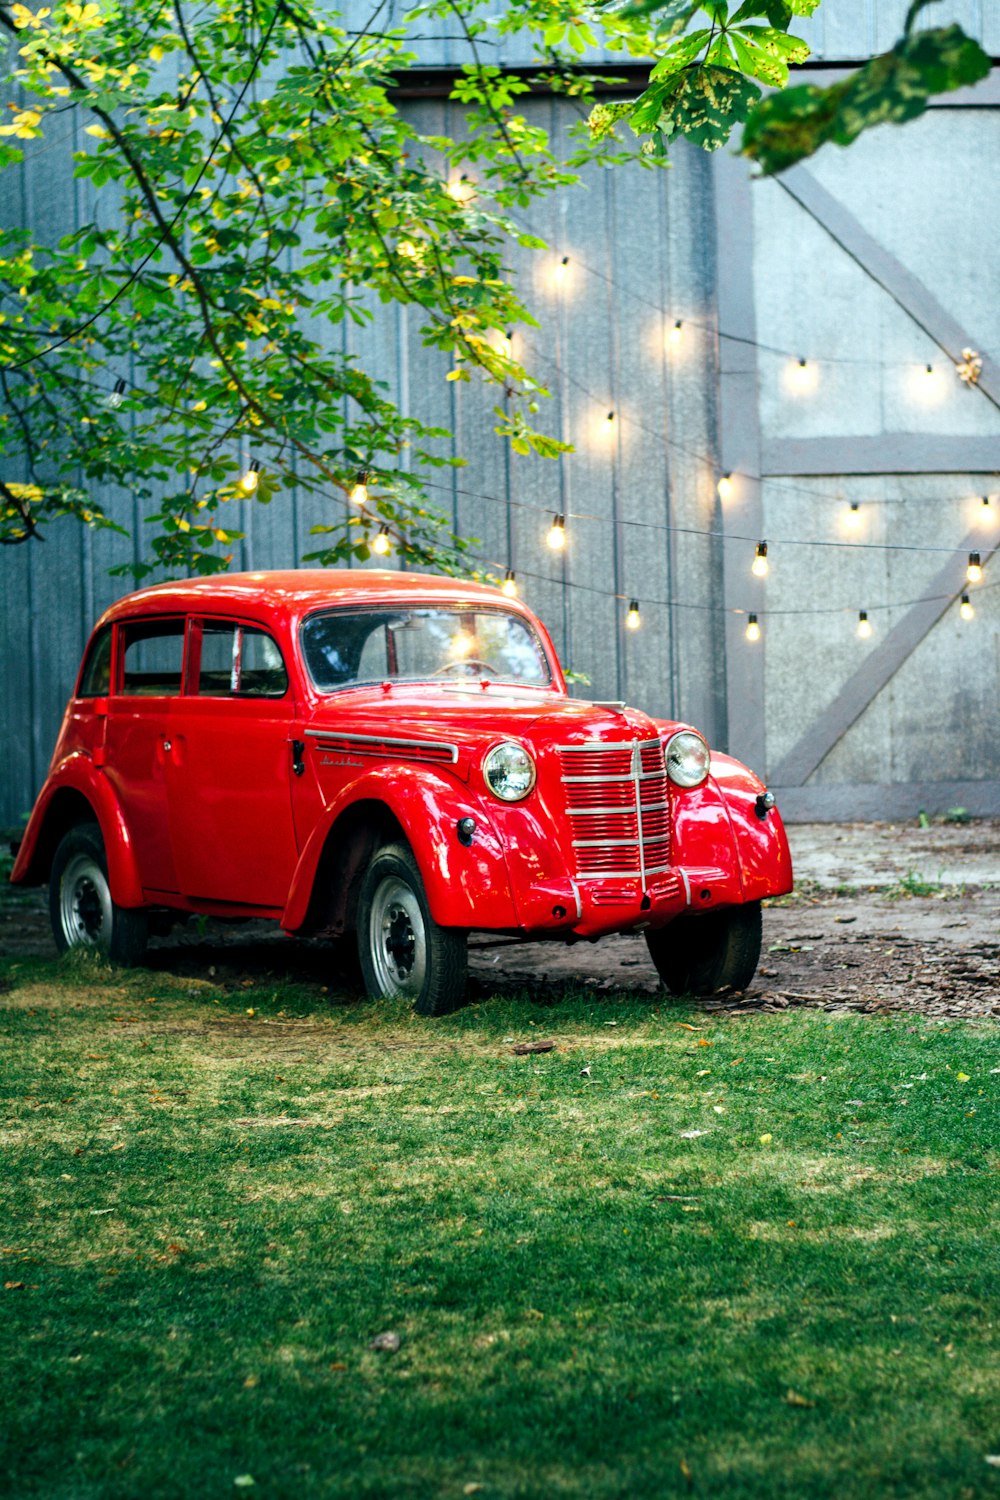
[(13, 1286), (794, 1399), (688, 1027), (523, 1048)]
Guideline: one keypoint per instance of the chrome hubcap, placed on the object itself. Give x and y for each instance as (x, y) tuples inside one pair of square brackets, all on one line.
[(85, 904), (398, 938)]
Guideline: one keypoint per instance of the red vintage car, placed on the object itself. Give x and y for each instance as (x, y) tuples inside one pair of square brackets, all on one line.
[(392, 755)]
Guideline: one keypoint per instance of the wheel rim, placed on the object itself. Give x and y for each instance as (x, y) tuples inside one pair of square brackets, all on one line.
[(85, 904), (397, 937)]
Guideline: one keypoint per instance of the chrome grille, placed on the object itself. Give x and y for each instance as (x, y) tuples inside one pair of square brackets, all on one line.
[(616, 797)]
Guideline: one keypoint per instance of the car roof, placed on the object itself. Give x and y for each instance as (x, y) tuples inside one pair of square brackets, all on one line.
[(294, 591)]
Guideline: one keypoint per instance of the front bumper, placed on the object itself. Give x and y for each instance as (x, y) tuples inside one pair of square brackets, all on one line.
[(594, 908)]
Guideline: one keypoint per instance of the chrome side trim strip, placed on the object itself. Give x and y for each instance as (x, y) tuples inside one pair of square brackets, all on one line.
[(384, 739), (623, 874), (579, 903), (687, 884)]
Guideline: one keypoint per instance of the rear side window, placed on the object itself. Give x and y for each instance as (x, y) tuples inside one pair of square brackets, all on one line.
[(154, 657), (96, 679), (238, 661)]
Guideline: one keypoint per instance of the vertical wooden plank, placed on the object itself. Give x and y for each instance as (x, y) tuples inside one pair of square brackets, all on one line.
[(739, 456)]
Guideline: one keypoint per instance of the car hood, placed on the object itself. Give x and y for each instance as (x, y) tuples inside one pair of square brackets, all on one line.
[(470, 716)]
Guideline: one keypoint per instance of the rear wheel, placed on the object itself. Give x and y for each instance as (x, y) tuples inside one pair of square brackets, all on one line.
[(698, 955), (402, 949), (81, 910)]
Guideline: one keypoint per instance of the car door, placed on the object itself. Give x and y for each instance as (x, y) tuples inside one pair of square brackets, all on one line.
[(147, 680), (229, 778)]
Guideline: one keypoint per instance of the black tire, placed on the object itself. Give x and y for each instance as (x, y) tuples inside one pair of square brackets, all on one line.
[(81, 910), (402, 949), (699, 955)]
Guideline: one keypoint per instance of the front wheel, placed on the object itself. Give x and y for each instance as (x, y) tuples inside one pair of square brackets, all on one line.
[(698, 955), (81, 910), (402, 949)]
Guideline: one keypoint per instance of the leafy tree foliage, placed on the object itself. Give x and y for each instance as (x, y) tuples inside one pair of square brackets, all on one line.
[(255, 187)]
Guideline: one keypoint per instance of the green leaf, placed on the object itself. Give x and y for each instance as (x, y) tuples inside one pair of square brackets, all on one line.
[(706, 104), (673, 15), (891, 88)]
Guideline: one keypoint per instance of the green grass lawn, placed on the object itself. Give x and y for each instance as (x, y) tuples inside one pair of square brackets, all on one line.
[(213, 1201)]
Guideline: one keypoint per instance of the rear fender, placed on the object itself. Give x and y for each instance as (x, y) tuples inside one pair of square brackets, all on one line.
[(466, 886), (76, 791)]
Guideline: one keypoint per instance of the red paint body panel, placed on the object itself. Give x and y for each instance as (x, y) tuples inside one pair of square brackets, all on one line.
[(235, 804)]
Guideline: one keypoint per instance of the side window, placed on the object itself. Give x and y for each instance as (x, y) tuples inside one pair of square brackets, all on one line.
[(154, 655), (96, 679), (239, 661)]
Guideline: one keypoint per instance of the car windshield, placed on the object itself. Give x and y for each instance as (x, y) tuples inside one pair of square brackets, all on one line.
[(343, 648)]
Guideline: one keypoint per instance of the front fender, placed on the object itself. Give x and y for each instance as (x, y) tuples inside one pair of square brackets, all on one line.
[(465, 886), (58, 806), (765, 858)]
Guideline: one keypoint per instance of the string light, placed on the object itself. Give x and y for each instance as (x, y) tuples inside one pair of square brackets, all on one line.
[(854, 514), (965, 609), (359, 490), (556, 538), (676, 333), (250, 477), (864, 625), (611, 416), (382, 545), (753, 629), (974, 571), (509, 585), (461, 189), (633, 619), (986, 512), (725, 486), (117, 396), (928, 369), (759, 568)]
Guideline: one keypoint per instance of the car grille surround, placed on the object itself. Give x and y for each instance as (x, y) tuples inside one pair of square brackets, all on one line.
[(618, 808)]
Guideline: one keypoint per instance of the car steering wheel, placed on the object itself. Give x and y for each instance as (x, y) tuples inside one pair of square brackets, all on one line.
[(475, 662)]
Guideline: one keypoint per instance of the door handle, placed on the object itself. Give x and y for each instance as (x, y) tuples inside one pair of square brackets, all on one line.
[(298, 751)]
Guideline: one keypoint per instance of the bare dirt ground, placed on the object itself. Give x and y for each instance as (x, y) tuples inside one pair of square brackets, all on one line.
[(885, 917)]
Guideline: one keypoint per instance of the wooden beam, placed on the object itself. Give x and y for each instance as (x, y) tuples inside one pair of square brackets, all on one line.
[(916, 300), (889, 453), (808, 753), (741, 513)]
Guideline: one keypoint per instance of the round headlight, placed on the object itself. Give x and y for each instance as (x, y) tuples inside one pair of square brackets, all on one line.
[(509, 772), (688, 758)]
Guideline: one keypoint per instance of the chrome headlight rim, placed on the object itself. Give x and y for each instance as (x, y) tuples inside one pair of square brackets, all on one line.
[(687, 782), (533, 770)]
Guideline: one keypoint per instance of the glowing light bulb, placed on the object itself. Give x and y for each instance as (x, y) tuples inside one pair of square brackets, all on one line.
[(725, 486), (854, 515), (753, 629), (928, 369), (117, 396), (801, 378), (509, 585), (556, 538), (461, 189), (359, 490), (864, 625), (611, 416), (986, 512), (382, 545), (633, 619), (759, 567), (250, 477), (676, 334), (965, 609), (974, 571)]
